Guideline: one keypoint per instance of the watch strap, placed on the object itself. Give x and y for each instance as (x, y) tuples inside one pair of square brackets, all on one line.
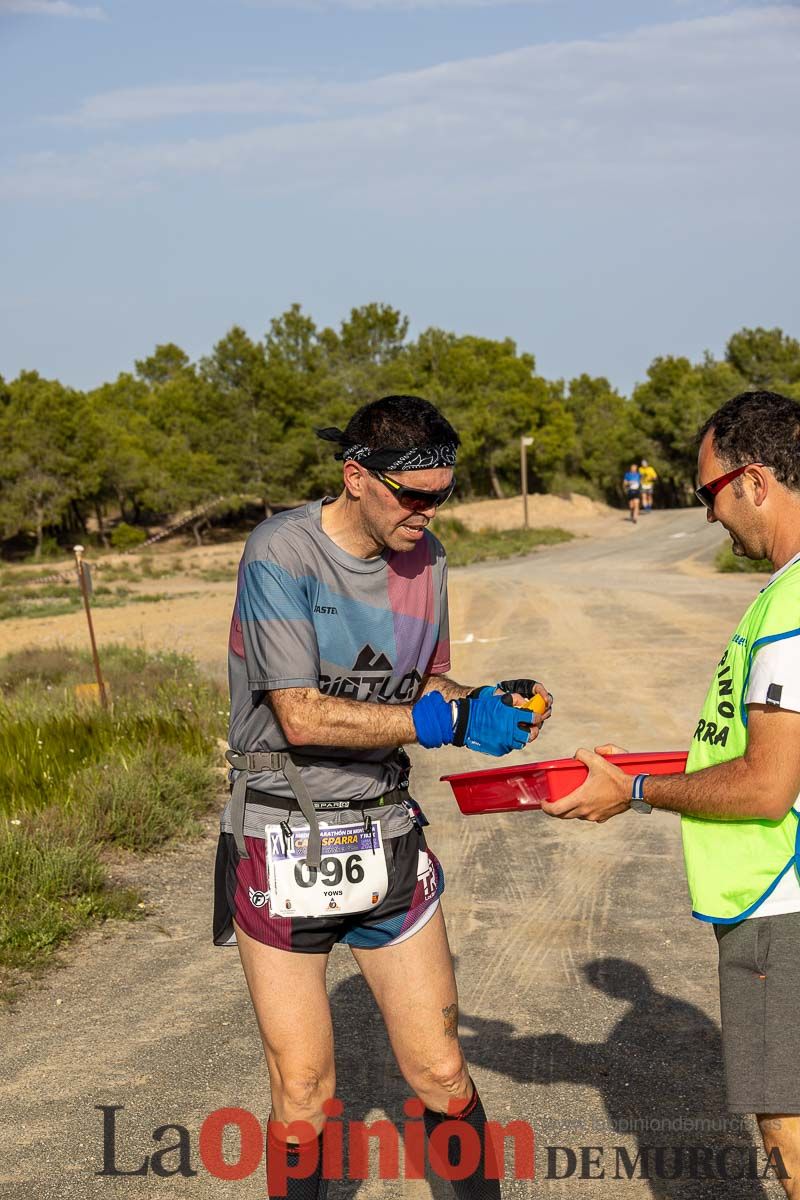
[(638, 802)]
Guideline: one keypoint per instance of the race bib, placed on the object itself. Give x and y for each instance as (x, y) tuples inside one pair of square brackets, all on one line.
[(352, 875)]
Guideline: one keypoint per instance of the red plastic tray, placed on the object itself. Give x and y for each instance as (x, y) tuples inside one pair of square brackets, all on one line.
[(509, 789)]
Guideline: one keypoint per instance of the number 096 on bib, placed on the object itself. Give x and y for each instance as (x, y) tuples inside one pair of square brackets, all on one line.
[(352, 875)]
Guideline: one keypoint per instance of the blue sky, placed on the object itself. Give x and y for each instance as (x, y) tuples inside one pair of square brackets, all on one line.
[(602, 180)]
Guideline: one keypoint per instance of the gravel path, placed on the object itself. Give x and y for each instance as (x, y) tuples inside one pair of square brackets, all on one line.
[(624, 628)]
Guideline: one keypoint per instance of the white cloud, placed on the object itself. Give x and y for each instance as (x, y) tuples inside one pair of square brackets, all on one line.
[(53, 8), (691, 103), (238, 99)]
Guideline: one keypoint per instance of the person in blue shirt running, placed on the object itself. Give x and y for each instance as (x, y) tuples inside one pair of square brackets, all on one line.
[(632, 483)]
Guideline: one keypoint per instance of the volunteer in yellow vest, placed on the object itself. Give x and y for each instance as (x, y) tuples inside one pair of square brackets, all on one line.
[(648, 476), (739, 800)]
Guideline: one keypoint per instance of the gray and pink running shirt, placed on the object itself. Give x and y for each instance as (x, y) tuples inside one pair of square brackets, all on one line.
[(310, 615)]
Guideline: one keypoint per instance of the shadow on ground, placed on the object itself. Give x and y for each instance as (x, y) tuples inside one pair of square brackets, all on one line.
[(658, 1074)]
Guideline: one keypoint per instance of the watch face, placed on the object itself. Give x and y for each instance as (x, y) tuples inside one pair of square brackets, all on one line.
[(641, 806)]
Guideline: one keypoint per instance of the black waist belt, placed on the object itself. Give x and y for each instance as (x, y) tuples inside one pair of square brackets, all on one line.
[(254, 763), (290, 805)]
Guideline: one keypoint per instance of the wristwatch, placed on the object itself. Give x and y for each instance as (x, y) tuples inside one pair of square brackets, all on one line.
[(638, 802)]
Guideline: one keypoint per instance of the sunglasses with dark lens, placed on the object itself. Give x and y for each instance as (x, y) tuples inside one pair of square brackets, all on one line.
[(412, 498), (709, 491)]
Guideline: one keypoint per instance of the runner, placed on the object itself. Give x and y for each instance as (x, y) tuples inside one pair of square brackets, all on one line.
[(740, 797), (338, 657), (648, 476), (632, 483)]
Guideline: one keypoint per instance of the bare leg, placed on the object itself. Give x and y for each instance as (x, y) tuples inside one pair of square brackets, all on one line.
[(782, 1134), (297, 1036), (415, 989)]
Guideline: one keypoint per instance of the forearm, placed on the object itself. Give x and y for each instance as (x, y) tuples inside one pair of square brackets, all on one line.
[(731, 791), (448, 687), (309, 718)]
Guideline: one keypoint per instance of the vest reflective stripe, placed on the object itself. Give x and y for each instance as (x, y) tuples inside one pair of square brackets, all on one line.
[(733, 866)]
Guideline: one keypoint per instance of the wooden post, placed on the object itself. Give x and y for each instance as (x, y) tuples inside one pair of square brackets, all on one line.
[(524, 442), (101, 687)]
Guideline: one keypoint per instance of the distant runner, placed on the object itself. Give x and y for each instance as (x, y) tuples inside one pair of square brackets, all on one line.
[(338, 656), (648, 476), (632, 483)]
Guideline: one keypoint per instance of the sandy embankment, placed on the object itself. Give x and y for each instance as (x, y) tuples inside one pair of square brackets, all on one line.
[(194, 620)]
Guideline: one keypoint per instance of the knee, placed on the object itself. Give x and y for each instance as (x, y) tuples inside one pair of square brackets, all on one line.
[(446, 1075), (298, 1092)]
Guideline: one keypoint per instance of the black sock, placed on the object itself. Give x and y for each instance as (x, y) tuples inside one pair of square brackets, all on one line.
[(476, 1186), (287, 1155)]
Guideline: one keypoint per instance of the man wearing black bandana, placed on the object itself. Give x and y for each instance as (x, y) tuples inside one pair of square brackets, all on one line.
[(338, 657)]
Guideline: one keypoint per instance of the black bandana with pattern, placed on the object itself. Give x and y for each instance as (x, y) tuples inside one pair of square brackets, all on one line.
[(388, 458)]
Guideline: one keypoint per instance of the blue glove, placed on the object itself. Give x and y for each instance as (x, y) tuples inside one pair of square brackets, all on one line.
[(488, 724), (483, 722)]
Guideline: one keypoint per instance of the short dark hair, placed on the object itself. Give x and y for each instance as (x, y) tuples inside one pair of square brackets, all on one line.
[(758, 427), (400, 423)]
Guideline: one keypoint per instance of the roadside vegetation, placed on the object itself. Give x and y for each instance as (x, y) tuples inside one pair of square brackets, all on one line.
[(173, 436), (731, 564), (117, 582), (465, 546), (79, 784), (60, 599)]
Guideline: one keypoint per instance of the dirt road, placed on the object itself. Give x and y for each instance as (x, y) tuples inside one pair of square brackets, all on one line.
[(588, 994)]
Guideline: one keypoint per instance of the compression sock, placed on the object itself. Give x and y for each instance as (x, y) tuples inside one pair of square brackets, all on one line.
[(294, 1169), (476, 1186)]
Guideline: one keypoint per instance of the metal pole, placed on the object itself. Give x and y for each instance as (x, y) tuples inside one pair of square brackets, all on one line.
[(101, 687), (524, 442)]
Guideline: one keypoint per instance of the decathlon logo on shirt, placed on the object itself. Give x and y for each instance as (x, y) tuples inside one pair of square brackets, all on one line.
[(371, 678)]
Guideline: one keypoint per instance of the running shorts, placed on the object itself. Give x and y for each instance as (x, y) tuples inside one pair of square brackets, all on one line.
[(416, 881), (759, 982)]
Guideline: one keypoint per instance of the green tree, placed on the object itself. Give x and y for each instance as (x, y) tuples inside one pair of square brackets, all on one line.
[(47, 468), (670, 408), (303, 393), (765, 358), (373, 334), (144, 466), (166, 361), (124, 444), (606, 441), (492, 395)]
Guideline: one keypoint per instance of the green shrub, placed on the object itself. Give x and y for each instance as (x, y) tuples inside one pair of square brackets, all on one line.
[(465, 546), (149, 797), (51, 549), (126, 537), (563, 484), (730, 563), (51, 883), (75, 778)]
